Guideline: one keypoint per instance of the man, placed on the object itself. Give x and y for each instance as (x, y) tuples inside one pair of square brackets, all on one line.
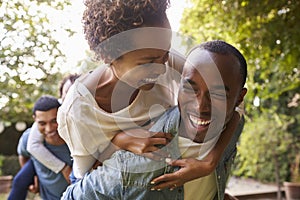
[(212, 86), (51, 184)]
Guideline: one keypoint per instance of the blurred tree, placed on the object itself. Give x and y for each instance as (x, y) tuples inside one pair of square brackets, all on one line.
[(29, 55), (267, 32)]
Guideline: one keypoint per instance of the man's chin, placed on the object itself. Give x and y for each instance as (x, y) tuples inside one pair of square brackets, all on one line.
[(196, 135), (49, 135)]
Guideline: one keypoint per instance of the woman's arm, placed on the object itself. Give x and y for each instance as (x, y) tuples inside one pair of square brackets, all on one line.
[(83, 164), (176, 60), (37, 149), (143, 142)]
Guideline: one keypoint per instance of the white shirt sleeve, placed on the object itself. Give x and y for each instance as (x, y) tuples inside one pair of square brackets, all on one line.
[(82, 165), (37, 149)]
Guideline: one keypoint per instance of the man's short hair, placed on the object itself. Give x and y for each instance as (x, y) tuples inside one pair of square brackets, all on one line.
[(45, 103), (222, 47)]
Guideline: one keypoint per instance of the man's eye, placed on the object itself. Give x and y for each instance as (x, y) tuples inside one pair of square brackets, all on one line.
[(216, 95)]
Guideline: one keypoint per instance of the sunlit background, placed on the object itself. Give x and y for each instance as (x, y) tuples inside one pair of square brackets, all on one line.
[(74, 47)]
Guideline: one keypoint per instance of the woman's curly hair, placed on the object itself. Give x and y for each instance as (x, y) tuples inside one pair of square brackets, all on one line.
[(103, 19)]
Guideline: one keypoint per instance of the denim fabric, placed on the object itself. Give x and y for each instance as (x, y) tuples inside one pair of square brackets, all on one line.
[(21, 182), (126, 176), (224, 167)]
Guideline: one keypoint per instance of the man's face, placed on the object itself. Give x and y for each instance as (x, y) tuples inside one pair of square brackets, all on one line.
[(210, 90), (47, 125), (141, 68)]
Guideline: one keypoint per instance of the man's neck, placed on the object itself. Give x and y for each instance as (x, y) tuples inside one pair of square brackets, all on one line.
[(57, 141)]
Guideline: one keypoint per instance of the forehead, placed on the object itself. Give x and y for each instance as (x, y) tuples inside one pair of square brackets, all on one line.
[(151, 38), (147, 54), (46, 115), (142, 38), (212, 66)]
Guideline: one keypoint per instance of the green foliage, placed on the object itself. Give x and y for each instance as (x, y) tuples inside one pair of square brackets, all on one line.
[(29, 56), (267, 33), (1, 163), (9, 165), (264, 140)]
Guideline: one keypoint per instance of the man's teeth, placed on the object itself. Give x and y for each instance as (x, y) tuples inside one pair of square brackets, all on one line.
[(199, 122)]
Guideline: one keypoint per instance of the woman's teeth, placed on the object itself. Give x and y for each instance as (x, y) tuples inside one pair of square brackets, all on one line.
[(150, 80)]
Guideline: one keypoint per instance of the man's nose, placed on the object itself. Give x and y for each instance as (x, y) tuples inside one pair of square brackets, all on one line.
[(204, 102), (48, 128)]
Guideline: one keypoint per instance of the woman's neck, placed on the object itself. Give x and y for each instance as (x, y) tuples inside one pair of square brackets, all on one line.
[(112, 94)]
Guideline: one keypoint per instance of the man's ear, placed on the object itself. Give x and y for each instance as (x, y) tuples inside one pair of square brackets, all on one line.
[(241, 96), (33, 116)]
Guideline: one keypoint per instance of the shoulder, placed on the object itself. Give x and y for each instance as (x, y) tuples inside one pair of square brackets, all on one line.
[(168, 121), (25, 135), (22, 145)]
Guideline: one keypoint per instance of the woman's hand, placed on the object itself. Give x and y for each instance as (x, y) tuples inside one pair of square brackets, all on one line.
[(190, 169), (34, 188), (66, 171), (143, 142)]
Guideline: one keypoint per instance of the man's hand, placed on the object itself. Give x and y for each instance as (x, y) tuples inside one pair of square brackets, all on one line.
[(143, 142), (190, 169), (34, 188), (66, 171)]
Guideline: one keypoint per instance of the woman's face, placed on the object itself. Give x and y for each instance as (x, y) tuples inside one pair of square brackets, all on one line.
[(145, 59), (141, 68)]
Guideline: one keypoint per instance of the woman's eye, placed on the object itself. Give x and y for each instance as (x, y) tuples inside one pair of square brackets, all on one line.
[(145, 64), (188, 88)]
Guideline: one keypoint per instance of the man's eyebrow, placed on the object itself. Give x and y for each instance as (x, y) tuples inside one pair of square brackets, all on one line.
[(221, 87), (215, 87)]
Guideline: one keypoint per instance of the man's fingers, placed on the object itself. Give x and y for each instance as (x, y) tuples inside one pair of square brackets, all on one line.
[(179, 162), (162, 178), (165, 181)]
